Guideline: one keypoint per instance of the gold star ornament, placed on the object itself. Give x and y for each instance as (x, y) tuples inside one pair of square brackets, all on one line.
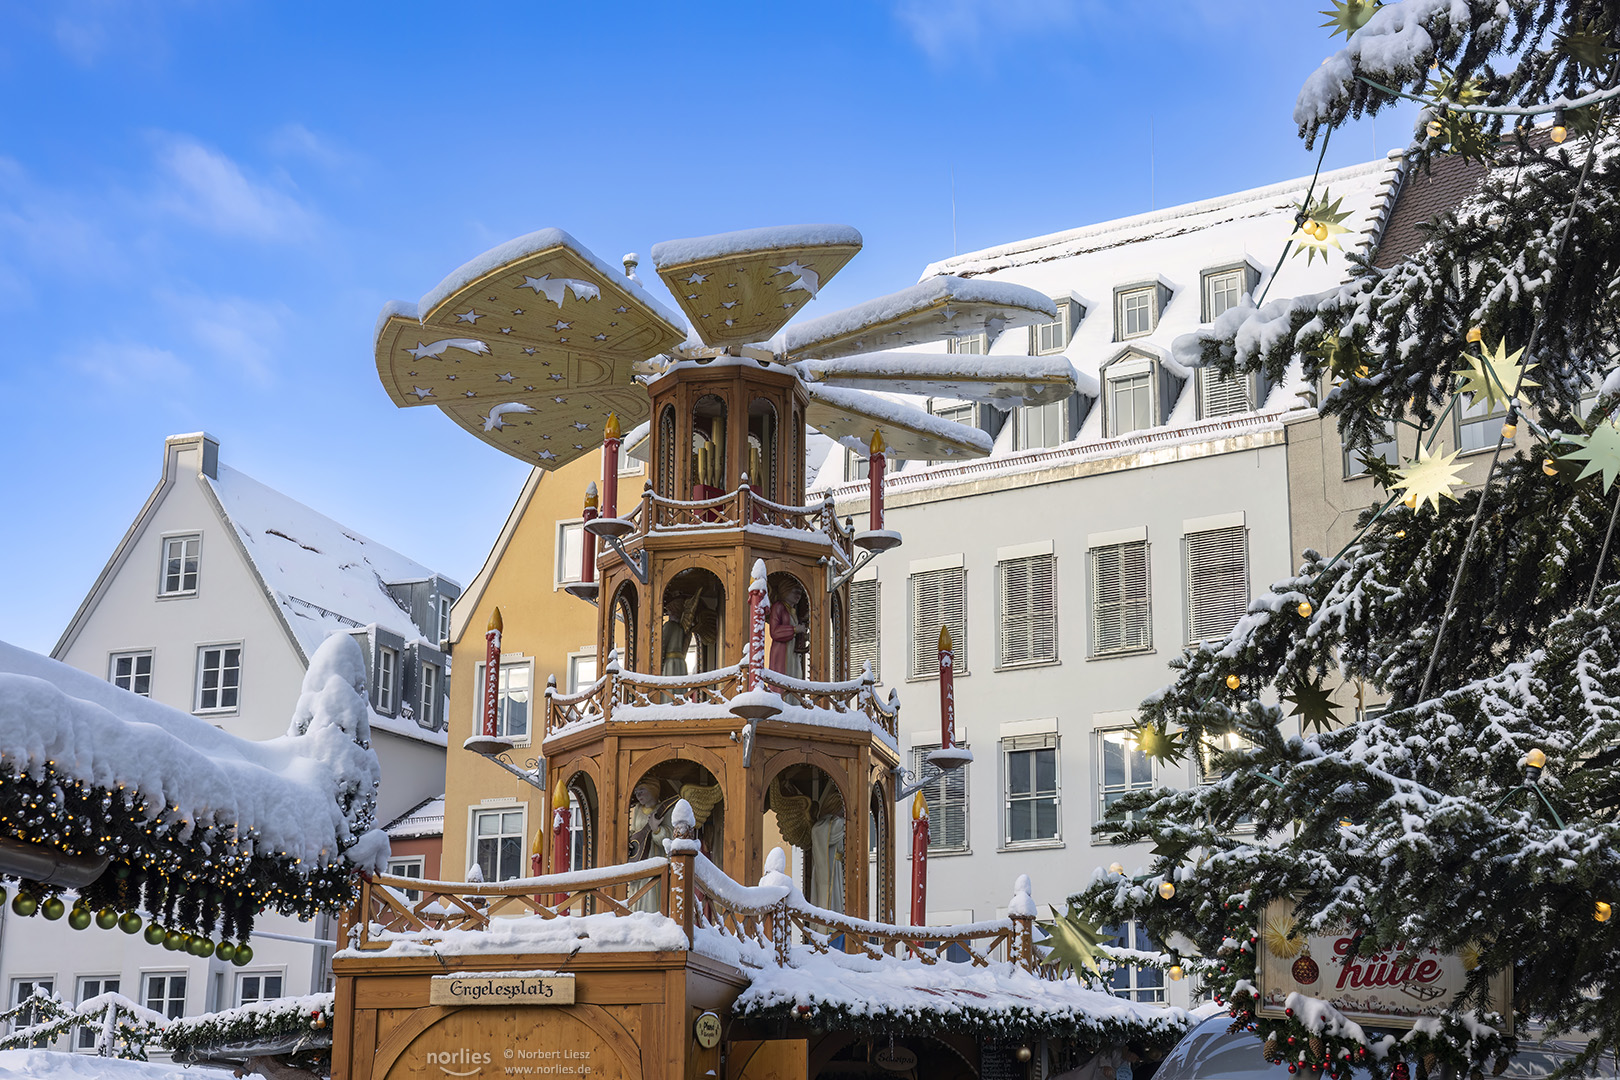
[(1428, 477), (1494, 376), (1600, 450), (1314, 706), (1348, 16), (1072, 943), (1321, 228)]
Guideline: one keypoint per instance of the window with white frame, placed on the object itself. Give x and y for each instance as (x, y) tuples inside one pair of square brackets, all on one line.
[(570, 551), (1222, 291), (1026, 592), (627, 465), (1355, 459), (947, 798), (581, 671), (578, 829), (92, 986), (408, 866), (1121, 603), (1222, 395), (181, 555), (387, 673), (165, 992), (863, 628), (1123, 767), (856, 466), (960, 413), (428, 714), (444, 619), (132, 671), (219, 678), (1053, 337), (1130, 402), (938, 599), (972, 344), (1032, 800), (1217, 576), (1127, 980), (1479, 425), (498, 842), (252, 986), (512, 699), (1040, 426), (21, 991), (1138, 312)]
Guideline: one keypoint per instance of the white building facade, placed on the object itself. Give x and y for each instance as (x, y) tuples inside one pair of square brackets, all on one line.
[(213, 603), (1104, 534)]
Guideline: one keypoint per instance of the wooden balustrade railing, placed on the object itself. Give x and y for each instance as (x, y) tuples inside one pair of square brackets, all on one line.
[(697, 895), (736, 508)]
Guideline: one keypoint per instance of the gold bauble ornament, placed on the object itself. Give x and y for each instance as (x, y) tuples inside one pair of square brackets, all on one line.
[(1400, 534), (1601, 911), (1304, 609), (1233, 682)]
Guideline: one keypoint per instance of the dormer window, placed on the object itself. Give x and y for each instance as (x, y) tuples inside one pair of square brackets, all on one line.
[(856, 466), (973, 344), (1053, 337), (1137, 307), (1224, 287), (1224, 395), (1041, 426), (961, 413), (1137, 393)]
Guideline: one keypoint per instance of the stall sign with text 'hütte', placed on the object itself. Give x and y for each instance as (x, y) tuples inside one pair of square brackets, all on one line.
[(1393, 988)]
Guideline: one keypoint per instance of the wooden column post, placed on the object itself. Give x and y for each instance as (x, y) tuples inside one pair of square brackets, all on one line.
[(683, 851)]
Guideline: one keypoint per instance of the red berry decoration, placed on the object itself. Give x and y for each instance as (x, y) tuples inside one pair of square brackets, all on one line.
[(1305, 970)]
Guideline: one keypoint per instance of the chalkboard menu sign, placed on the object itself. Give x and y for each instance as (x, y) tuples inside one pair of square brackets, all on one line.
[(997, 1061)]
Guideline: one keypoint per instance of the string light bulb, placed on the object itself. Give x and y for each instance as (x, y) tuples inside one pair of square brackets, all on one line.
[(1601, 911), (1534, 762), (1549, 466), (1560, 130), (1176, 973), (1410, 502), (1474, 335), (1433, 129), (1167, 890), (1116, 868), (1304, 609), (1509, 430), (1233, 681)]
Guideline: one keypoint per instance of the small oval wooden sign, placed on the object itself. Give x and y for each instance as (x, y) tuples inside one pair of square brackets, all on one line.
[(896, 1059)]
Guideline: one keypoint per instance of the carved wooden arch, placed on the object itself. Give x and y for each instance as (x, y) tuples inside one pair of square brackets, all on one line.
[(593, 1017), (637, 660), (580, 763), (681, 752), (803, 755), (664, 571)]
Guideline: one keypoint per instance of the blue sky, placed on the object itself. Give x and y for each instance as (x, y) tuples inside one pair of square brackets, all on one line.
[(203, 205)]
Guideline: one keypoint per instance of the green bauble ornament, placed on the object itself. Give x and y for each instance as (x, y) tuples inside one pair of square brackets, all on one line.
[(227, 951), (201, 946), (24, 905), (121, 871), (155, 934), (174, 940), (244, 955), (53, 908), (106, 918), (129, 922), (79, 918), (2, 894)]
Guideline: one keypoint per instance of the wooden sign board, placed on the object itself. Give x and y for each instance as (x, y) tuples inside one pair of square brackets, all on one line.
[(547, 988), (1395, 988)]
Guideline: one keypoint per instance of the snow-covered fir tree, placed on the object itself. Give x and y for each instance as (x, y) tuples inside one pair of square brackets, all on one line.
[(1489, 617)]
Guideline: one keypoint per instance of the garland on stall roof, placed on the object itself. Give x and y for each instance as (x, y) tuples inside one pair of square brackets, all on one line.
[(260, 1022), (195, 878)]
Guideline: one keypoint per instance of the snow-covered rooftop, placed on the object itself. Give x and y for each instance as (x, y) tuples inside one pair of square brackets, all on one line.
[(426, 818), (325, 577)]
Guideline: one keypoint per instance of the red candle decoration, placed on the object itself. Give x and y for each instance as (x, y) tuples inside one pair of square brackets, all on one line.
[(610, 467), (561, 818), (875, 465), (919, 860), (587, 560), (947, 691), (492, 674)]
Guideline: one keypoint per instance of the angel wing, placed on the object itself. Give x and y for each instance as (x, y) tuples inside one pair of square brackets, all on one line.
[(703, 800), (792, 815)]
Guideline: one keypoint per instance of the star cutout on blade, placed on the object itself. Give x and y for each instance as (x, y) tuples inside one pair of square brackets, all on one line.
[(555, 376), (560, 325), (528, 389), (506, 377), (729, 304), (468, 316), (599, 337), (452, 378), (470, 393), (803, 277), (422, 393), (697, 279), (1428, 477), (517, 311), (1494, 376), (579, 425), (546, 455), (528, 350), (552, 288), (560, 400), (579, 446), (1314, 706), (506, 329), (1601, 452), (620, 310)]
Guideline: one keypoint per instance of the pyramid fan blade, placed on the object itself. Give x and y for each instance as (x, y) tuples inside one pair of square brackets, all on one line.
[(742, 287), (850, 416), (1004, 381), (938, 309), (539, 322)]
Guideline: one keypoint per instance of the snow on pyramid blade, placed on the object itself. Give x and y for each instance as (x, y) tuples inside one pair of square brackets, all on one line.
[(938, 309), (850, 416), (1004, 381), (549, 429), (740, 287), (536, 319)]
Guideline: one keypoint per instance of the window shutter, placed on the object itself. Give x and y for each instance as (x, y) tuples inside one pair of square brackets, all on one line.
[(1222, 395), (1217, 581), (1121, 604), (937, 599), (1028, 610), (863, 628), (947, 799)]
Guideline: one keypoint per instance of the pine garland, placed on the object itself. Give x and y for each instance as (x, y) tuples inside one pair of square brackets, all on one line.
[(260, 1022), (124, 1028)]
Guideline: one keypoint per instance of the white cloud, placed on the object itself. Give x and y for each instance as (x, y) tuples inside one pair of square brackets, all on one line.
[(213, 191), (123, 365), (237, 332), (950, 30)]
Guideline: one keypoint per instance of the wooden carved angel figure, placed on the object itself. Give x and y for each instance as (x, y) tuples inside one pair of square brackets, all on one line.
[(788, 631), (677, 634)]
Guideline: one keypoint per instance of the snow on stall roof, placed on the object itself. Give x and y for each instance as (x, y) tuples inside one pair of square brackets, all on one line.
[(426, 818), (522, 247), (746, 241), (916, 298), (62, 1065), (324, 576), (287, 788), (639, 931)]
